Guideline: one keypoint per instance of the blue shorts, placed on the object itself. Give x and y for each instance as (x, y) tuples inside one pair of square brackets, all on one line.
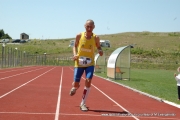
[(78, 72)]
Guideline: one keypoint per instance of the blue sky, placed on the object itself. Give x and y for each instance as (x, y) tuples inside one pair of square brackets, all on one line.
[(53, 19)]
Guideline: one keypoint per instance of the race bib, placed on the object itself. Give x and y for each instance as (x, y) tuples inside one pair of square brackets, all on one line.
[(84, 61)]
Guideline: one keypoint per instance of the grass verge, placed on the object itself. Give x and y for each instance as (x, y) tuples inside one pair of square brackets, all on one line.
[(159, 83)]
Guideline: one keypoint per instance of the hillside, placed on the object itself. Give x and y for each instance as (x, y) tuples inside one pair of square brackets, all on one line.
[(147, 40), (166, 42)]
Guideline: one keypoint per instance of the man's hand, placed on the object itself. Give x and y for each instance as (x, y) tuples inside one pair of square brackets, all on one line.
[(100, 52), (174, 74), (75, 57)]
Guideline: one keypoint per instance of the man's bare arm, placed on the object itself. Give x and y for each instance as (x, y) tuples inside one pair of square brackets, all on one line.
[(98, 46), (78, 36)]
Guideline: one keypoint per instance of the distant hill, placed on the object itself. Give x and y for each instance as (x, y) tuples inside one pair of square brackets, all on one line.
[(147, 40), (166, 42)]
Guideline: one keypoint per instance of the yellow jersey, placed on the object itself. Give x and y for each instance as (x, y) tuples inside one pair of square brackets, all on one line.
[(85, 51)]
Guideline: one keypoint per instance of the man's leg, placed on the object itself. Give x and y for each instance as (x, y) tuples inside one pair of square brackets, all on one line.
[(77, 77), (178, 92), (89, 74)]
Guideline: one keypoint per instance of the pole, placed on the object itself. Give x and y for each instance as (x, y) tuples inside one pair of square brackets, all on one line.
[(3, 46)]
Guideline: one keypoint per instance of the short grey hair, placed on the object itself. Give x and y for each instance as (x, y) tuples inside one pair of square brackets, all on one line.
[(90, 20)]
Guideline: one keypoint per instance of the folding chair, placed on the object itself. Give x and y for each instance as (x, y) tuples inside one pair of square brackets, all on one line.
[(119, 72)]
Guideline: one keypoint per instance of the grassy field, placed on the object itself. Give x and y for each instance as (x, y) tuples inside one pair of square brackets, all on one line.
[(44, 46), (160, 83)]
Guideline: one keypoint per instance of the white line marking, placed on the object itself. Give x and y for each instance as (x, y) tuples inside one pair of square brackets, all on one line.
[(143, 93), (123, 116), (20, 74), (96, 115), (17, 70), (25, 113), (14, 68), (112, 100), (59, 98), (25, 83)]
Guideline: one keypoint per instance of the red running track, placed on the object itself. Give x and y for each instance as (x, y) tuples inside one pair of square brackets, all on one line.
[(42, 93)]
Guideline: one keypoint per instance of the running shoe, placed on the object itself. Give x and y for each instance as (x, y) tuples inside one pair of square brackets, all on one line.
[(72, 91), (83, 108)]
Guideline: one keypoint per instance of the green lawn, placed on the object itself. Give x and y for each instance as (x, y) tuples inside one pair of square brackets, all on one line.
[(160, 83)]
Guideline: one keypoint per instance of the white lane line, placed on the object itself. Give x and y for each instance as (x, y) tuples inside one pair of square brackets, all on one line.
[(26, 113), (11, 68), (17, 70), (25, 83), (59, 98), (20, 73), (96, 115), (113, 101), (121, 116), (143, 93)]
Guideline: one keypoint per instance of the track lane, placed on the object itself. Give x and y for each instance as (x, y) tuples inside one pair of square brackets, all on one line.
[(11, 82), (36, 100), (13, 73), (136, 103), (139, 105), (15, 69), (98, 104)]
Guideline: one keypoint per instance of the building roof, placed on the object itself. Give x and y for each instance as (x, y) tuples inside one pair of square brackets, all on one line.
[(24, 34)]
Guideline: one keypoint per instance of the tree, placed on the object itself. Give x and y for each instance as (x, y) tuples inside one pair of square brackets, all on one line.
[(3, 35)]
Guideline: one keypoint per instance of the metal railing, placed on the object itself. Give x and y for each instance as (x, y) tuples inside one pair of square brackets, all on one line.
[(13, 57)]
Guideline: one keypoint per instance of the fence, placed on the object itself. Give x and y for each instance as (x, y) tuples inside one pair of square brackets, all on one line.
[(10, 57)]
